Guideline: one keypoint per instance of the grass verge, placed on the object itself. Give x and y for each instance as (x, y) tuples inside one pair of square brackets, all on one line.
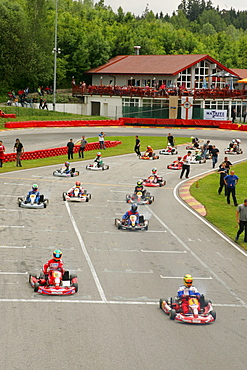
[(219, 213)]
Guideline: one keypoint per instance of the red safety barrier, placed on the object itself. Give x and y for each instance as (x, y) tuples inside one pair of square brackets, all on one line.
[(63, 123), (172, 122), (4, 115), (53, 152)]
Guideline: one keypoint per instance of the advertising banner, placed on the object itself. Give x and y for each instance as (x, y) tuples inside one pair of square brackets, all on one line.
[(216, 115), (173, 107)]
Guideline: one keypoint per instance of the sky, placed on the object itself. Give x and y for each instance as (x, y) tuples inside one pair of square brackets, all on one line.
[(167, 6)]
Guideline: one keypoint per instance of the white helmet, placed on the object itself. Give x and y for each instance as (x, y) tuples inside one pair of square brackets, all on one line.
[(238, 141)]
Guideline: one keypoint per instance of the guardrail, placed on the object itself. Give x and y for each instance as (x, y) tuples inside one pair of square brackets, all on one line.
[(25, 124), (54, 152)]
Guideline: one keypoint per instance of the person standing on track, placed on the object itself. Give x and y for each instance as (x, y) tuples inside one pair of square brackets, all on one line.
[(70, 146), (137, 146), (19, 149), (241, 217), (186, 165), (82, 147), (2, 150)]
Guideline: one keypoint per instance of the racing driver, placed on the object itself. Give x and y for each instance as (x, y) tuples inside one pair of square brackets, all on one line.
[(34, 191), (54, 263), (154, 174), (67, 168), (76, 186), (140, 188), (187, 290), (149, 152), (132, 211), (98, 159)]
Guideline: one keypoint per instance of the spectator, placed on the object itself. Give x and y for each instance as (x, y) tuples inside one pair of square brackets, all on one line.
[(170, 140), (186, 165), (241, 217), (228, 164), (102, 140), (82, 147), (223, 173), (244, 114), (215, 153), (137, 146), (2, 150), (233, 115), (40, 102), (205, 149), (44, 104), (231, 182), (70, 146), (19, 149)]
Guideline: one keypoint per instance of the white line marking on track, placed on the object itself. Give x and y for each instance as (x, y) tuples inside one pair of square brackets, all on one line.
[(181, 277), (12, 226), (130, 272), (8, 196), (118, 191), (145, 303), (148, 251), (12, 273), (11, 246), (116, 201), (198, 258), (86, 255), (11, 210), (14, 183)]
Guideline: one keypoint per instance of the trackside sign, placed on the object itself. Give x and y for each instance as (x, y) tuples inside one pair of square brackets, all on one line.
[(214, 114)]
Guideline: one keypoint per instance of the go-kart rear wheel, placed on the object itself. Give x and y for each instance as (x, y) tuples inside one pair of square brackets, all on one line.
[(30, 277), (161, 302), (64, 196), (173, 314), (36, 287), (76, 286), (72, 276)]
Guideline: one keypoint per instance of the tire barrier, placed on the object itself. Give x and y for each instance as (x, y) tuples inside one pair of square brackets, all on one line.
[(54, 152), (72, 123)]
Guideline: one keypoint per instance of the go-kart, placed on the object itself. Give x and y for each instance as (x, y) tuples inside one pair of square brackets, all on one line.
[(197, 159), (196, 315), (132, 223), (95, 167), (77, 196), (153, 182), (169, 150), (233, 151), (147, 157), (61, 172), (139, 199), (55, 283), (24, 203), (176, 165)]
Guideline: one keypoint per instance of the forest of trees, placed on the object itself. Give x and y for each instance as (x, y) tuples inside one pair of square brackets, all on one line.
[(90, 33)]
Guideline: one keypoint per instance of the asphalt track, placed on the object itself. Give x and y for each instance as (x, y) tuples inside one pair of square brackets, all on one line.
[(114, 321)]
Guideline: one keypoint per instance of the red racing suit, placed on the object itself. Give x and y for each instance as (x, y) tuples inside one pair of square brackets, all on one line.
[(184, 293), (53, 265), (71, 191)]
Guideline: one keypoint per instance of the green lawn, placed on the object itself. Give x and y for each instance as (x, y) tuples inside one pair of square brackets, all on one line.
[(127, 146), (219, 212)]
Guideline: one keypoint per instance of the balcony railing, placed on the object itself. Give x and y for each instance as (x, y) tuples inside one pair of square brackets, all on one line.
[(132, 91)]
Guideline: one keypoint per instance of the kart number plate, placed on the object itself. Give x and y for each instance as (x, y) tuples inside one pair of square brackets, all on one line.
[(196, 320)]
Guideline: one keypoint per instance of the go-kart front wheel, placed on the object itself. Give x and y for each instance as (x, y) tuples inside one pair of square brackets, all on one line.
[(161, 302), (173, 314), (36, 287), (213, 313), (76, 286)]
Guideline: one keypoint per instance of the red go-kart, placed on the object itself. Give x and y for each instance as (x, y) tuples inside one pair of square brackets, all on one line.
[(55, 284), (152, 181), (199, 313), (176, 165)]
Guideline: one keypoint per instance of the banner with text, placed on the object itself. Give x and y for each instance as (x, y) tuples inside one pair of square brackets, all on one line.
[(215, 114), (173, 107)]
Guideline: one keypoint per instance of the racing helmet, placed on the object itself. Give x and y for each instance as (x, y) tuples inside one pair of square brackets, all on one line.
[(148, 147), (238, 141), (67, 164), (134, 207), (98, 154), (35, 187), (154, 170), (188, 280), (179, 157), (78, 184), (139, 183), (57, 255), (233, 141)]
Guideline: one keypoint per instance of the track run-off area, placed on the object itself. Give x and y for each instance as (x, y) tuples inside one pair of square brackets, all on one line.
[(114, 321)]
